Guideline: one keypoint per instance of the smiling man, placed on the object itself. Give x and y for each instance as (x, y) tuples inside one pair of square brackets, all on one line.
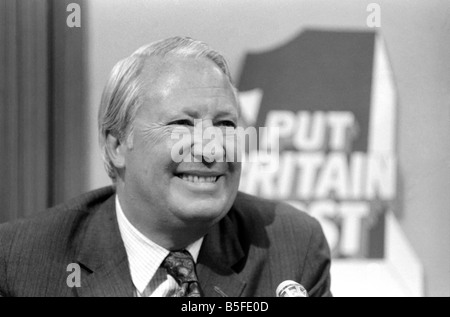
[(166, 227), (170, 202)]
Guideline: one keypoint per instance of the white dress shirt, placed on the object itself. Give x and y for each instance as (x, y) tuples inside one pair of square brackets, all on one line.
[(145, 258)]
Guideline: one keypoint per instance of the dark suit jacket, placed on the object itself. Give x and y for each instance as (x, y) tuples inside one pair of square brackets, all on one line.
[(258, 245)]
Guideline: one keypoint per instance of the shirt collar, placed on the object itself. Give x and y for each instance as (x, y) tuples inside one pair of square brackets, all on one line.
[(144, 255)]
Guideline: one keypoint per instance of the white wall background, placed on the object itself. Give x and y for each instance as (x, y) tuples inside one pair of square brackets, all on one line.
[(417, 36)]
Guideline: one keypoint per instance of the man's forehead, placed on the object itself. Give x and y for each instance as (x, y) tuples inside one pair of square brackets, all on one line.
[(165, 77), (181, 70)]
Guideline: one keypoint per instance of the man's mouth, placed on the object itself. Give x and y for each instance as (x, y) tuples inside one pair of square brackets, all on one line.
[(198, 178)]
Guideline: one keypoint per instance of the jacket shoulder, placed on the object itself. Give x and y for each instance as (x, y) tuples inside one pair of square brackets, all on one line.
[(50, 236), (287, 242), (277, 215), (56, 217)]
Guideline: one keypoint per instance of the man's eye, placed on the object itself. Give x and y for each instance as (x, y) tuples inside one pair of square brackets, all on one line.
[(227, 123), (182, 122)]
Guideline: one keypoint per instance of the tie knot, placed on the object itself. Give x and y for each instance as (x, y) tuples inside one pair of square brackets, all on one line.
[(180, 265)]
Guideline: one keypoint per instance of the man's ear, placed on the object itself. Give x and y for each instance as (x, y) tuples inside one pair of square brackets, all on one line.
[(116, 151)]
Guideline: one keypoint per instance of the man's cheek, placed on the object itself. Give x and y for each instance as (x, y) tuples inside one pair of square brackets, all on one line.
[(178, 144), (235, 173), (180, 149), (231, 145)]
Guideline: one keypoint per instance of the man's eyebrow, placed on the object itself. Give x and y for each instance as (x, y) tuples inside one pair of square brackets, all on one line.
[(196, 114), (224, 113)]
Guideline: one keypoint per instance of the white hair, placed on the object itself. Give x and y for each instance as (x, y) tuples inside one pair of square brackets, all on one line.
[(121, 96)]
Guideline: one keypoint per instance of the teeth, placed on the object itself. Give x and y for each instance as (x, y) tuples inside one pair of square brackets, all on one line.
[(198, 179)]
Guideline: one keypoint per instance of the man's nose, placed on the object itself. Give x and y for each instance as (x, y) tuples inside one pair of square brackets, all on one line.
[(208, 144), (212, 151)]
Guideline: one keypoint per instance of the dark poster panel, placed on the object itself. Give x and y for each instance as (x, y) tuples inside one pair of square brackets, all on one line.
[(317, 71), (321, 83)]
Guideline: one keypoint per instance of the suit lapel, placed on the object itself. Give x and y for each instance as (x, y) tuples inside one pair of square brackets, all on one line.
[(103, 256), (221, 250), (112, 280)]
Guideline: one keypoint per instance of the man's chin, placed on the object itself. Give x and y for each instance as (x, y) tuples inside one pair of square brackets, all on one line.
[(197, 210)]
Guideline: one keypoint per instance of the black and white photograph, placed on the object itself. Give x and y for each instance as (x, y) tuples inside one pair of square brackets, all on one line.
[(225, 148)]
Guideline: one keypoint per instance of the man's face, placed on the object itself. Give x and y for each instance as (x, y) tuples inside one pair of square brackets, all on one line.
[(180, 93)]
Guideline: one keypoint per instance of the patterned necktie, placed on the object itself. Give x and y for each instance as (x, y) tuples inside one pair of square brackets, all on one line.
[(181, 266)]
